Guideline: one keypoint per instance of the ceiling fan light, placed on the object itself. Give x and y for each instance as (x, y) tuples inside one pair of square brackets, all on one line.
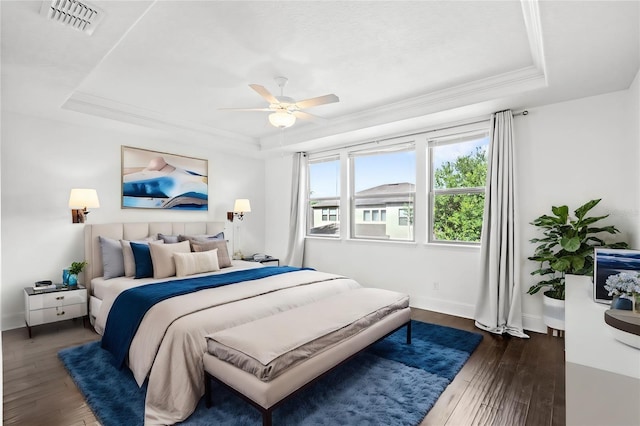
[(282, 120)]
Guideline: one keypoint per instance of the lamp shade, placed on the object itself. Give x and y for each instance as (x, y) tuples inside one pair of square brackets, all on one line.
[(82, 197), (242, 205), (282, 119)]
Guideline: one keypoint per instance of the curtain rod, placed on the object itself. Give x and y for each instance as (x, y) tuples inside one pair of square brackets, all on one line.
[(523, 113)]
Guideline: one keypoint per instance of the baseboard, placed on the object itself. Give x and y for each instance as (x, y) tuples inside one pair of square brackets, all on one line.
[(529, 322), (9, 322), (444, 307), (533, 323)]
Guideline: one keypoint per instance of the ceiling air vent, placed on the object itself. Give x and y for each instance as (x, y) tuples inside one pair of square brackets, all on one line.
[(78, 15)]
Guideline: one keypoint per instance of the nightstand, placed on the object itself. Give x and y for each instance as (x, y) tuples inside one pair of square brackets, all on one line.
[(55, 304), (265, 260)]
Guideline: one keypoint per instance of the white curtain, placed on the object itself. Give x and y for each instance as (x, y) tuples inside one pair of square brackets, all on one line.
[(499, 304), (298, 222)]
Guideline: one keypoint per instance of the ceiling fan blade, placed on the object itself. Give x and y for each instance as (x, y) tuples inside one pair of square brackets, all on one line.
[(264, 93), (306, 116), (320, 100), (246, 109)]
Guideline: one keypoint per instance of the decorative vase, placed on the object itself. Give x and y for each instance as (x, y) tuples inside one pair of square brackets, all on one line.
[(73, 280), (622, 303), (65, 276)]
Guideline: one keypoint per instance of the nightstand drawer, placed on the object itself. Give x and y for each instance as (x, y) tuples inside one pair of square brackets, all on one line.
[(60, 298), (48, 315)]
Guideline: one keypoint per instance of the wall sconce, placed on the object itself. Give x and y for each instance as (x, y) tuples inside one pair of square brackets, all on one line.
[(240, 207), (80, 200)]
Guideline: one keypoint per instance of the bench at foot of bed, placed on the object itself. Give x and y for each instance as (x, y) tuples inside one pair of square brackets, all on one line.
[(266, 396)]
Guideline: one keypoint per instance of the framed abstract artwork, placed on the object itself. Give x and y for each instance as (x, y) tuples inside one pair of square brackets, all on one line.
[(159, 180)]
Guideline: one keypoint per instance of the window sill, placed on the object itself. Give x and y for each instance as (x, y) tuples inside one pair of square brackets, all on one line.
[(396, 242), (453, 245)]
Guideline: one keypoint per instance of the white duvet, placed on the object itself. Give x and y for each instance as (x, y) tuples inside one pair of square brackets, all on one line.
[(170, 343)]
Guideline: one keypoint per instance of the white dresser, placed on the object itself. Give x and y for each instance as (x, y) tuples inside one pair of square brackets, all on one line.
[(51, 305), (602, 374)]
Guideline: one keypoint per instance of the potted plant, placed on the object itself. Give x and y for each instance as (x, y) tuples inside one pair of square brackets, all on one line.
[(566, 248), (74, 270)]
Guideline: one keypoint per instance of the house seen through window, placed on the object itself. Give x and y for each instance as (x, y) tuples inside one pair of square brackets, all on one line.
[(383, 186)]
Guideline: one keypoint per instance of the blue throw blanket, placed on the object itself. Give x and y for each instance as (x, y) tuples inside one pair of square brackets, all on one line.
[(131, 305)]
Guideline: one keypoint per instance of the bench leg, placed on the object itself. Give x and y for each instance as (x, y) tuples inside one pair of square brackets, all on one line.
[(207, 390), (266, 417), (409, 333)]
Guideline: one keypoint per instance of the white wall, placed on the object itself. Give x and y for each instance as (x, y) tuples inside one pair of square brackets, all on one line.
[(634, 113), (570, 153), (567, 153), (42, 160)]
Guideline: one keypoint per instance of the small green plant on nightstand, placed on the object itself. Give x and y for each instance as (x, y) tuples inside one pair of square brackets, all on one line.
[(77, 267), (74, 270)]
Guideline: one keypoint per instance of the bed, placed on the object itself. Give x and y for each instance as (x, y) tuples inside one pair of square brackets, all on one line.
[(167, 346)]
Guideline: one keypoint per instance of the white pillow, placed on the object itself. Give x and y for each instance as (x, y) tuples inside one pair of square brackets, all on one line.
[(196, 263), (127, 254), (162, 258)]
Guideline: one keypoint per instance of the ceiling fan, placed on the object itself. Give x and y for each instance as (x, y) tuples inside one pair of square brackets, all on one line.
[(284, 110)]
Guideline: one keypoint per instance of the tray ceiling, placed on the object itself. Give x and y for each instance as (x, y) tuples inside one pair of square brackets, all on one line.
[(173, 65)]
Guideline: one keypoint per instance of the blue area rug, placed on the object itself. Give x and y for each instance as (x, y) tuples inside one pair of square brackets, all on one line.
[(390, 383)]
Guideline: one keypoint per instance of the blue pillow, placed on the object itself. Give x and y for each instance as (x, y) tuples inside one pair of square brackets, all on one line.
[(142, 257), (112, 258)]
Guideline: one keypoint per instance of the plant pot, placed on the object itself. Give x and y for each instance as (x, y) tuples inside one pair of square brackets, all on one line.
[(553, 312), (73, 280), (622, 303)]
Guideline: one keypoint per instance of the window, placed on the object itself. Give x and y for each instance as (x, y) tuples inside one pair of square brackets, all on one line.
[(374, 215), (324, 197), (433, 182), (403, 217), (383, 184), (458, 178), (330, 215)]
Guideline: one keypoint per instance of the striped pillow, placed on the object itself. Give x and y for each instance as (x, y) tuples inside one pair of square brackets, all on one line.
[(196, 263)]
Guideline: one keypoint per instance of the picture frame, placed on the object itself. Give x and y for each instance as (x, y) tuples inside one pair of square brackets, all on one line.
[(611, 262), (160, 180)]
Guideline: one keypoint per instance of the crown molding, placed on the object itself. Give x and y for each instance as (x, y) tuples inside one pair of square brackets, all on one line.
[(533, 26), (109, 108), (494, 87)]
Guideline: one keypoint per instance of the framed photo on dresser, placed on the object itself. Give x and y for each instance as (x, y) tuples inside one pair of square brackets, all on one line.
[(612, 262)]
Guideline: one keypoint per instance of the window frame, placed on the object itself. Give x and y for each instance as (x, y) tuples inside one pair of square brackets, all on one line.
[(309, 210), (399, 145), (422, 202), (433, 192)]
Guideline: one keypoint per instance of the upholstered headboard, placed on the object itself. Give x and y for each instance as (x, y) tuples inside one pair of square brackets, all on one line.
[(135, 231)]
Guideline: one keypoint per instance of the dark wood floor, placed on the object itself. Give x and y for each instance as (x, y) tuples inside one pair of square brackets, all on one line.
[(507, 381)]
